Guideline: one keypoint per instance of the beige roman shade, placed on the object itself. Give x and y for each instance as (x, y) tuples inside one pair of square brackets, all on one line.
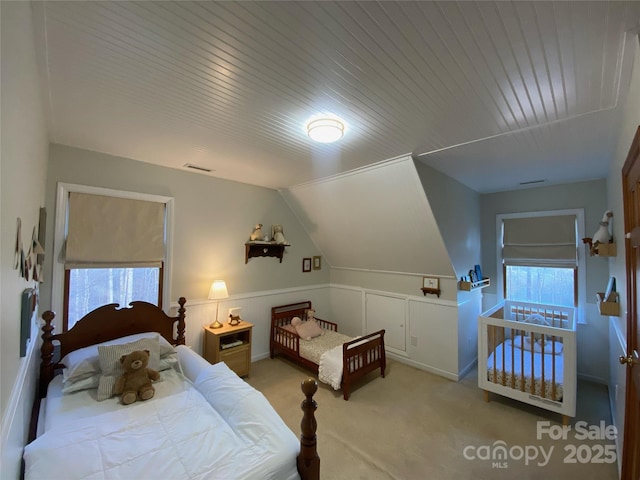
[(548, 240), (108, 231)]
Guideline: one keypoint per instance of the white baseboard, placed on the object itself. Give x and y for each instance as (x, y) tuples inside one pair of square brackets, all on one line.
[(594, 379), (422, 366), (260, 356), (468, 368)]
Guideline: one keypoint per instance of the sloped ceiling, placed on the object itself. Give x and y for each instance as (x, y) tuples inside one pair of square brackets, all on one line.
[(229, 85), (490, 93), (375, 219)]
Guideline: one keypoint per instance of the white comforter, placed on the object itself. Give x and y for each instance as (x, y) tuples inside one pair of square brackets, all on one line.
[(221, 428), (330, 367)]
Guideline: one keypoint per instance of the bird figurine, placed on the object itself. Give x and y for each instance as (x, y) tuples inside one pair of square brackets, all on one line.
[(256, 234), (602, 235)]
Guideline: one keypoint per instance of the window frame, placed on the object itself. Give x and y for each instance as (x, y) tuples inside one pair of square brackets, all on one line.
[(580, 275), (59, 273)]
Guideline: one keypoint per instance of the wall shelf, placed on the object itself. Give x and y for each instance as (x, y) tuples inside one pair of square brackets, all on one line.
[(606, 250), (263, 249), (469, 286), (611, 308), (434, 291)]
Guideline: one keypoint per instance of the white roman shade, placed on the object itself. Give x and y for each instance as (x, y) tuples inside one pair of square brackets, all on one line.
[(108, 231), (546, 240)]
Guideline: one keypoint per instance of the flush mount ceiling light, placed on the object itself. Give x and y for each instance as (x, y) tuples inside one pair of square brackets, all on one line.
[(325, 130)]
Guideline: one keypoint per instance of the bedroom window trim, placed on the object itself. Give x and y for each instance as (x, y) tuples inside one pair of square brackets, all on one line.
[(62, 204), (580, 274)]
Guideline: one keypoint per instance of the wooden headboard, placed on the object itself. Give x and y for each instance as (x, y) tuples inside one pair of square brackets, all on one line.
[(103, 324), (283, 314)]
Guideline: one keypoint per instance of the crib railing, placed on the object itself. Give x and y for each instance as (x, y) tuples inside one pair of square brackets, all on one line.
[(532, 362), (526, 347)]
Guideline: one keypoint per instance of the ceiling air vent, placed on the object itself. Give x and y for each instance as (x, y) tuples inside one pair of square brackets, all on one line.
[(197, 167), (531, 182)]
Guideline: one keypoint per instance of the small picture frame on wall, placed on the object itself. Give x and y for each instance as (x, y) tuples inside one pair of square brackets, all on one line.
[(432, 283), (306, 264), (317, 262)]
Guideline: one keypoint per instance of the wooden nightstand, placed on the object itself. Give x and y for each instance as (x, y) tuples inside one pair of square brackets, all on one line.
[(237, 355)]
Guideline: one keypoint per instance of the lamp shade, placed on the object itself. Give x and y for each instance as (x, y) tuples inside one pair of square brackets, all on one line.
[(325, 130), (218, 290)]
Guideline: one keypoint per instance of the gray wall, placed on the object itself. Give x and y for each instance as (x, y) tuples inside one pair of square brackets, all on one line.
[(23, 170), (213, 219), (590, 196), (456, 209), (630, 122)]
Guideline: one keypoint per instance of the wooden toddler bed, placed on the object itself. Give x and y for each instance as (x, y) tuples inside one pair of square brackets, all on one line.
[(527, 352), (237, 433), (358, 356)]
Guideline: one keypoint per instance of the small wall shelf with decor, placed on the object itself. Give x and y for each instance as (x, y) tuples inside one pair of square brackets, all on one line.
[(611, 307), (431, 285), (264, 249), (469, 286)]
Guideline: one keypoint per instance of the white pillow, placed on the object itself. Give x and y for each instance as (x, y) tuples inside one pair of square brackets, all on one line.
[(111, 367), (84, 361), (82, 366), (308, 330), (78, 384), (168, 361), (524, 342)]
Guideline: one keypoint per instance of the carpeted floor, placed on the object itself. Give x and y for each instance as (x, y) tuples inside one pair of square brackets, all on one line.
[(416, 425)]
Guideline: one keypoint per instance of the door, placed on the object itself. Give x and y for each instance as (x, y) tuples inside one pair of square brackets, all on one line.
[(631, 204), (387, 312)]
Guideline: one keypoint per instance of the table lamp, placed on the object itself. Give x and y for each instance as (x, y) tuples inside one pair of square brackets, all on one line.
[(217, 292)]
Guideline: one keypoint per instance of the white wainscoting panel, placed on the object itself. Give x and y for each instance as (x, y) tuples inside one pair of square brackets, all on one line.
[(433, 338), (429, 326), (617, 382), (347, 309), (17, 417), (389, 313), (256, 308), (468, 312)]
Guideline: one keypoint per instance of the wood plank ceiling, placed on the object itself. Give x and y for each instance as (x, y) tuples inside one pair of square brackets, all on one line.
[(490, 93)]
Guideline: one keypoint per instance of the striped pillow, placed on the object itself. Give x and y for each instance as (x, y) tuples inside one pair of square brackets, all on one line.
[(109, 356)]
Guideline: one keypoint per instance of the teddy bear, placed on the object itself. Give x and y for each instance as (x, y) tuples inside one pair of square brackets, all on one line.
[(135, 382), (278, 235)]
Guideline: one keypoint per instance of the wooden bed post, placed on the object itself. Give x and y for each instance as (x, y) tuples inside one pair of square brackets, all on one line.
[(181, 323), (308, 459), (46, 353)]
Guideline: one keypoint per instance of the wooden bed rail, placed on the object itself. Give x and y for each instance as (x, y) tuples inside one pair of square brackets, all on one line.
[(361, 356), (308, 459)]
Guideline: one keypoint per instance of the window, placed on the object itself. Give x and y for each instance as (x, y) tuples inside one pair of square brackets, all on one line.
[(547, 285), (90, 288), (112, 247), (540, 259)]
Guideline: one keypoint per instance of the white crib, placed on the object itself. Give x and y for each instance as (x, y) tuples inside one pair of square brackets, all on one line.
[(527, 352)]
